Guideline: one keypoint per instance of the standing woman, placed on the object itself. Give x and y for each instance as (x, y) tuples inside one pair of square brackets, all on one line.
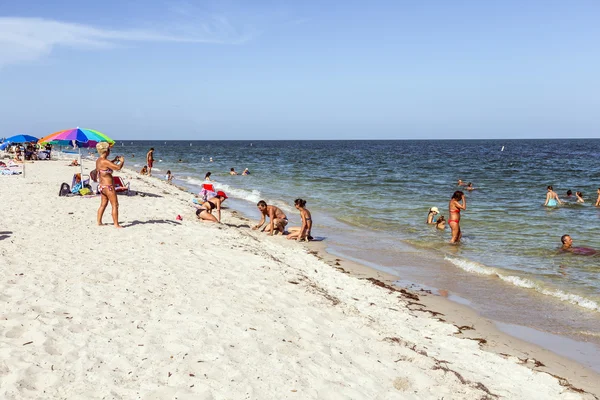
[(457, 202), (106, 188), (552, 199), (302, 232)]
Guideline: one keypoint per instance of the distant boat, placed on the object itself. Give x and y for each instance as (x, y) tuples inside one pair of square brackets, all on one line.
[(190, 145), (502, 148)]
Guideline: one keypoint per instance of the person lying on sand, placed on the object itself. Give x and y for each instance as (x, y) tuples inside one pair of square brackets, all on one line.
[(302, 232), (277, 217), (74, 163)]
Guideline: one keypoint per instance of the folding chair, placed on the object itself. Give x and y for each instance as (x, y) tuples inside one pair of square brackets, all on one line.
[(120, 186)]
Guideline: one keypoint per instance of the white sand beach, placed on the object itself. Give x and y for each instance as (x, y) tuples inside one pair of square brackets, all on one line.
[(167, 309)]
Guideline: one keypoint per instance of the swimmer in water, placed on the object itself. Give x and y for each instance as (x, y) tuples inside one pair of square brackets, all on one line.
[(470, 186), (441, 223), (552, 199), (567, 245), (431, 215), (598, 200), (461, 183), (579, 196)]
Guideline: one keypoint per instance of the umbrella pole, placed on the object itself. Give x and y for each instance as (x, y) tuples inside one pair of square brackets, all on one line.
[(81, 167)]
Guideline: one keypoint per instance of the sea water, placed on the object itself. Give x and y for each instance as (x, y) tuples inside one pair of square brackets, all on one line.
[(369, 200)]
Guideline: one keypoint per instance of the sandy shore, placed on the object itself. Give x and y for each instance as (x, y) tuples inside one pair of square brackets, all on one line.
[(183, 309)]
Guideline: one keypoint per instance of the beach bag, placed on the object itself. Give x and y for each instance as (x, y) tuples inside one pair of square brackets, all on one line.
[(85, 191), (65, 189), (77, 188)]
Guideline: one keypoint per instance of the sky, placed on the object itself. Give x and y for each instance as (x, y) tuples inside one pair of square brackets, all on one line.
[(224, 69)]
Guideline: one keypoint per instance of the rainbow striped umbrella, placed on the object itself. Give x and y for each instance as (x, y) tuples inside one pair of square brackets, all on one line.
[(77, 136)]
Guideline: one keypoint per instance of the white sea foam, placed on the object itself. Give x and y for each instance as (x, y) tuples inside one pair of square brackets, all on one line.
[(477, 268)]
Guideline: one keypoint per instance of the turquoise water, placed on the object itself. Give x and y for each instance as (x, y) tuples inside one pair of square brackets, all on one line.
[(383, 189)]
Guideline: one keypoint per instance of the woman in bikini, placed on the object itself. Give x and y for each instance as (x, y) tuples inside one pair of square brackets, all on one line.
[(302, 232), (457, 202), (106, 188), (205, 213)]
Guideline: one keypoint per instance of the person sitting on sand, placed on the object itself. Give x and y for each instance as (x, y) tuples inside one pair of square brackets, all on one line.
[(278, 219), (302, 232), (169, 176), (205, 213), (74, 163), (579, 196), (567, 245), (144, 170), (105, 169), (552, 199), (232, 172), (431, 215), (441, 223)]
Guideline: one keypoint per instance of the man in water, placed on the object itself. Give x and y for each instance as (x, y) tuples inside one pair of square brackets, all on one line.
[(278, 219), (150, 160), (567, 245)]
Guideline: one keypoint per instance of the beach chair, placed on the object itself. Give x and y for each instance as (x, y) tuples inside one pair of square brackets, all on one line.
[(120, 186)]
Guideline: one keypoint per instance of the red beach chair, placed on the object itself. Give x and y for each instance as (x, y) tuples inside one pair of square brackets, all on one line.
[(120, 186)]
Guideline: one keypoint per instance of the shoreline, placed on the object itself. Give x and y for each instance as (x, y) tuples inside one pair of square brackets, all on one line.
[(195, 309), (505, 342)]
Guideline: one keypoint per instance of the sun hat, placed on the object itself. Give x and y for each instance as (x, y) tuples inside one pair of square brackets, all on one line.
[(220, 193), (434, 209)]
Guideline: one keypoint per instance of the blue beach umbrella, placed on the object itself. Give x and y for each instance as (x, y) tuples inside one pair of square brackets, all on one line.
[(22, 139)]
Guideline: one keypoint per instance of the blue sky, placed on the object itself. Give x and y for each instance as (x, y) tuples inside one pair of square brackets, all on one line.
[(222, 69)]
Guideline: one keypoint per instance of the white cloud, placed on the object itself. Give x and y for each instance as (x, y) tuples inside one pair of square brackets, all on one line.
[(29, 39)]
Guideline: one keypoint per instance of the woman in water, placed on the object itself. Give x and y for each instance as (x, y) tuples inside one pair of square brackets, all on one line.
[(207, 177), (598, 199), (106, 188), (457, 202), (579, 196), (433, 211), (205, 213), (302, 232), (552, 199), (470, 186)]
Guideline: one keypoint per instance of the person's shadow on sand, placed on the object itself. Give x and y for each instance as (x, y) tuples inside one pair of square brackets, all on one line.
[(5, 235), (152, 221), (146, 194)]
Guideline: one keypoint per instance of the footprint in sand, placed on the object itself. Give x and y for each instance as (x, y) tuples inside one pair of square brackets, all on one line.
[(15, 332), (402, 384)]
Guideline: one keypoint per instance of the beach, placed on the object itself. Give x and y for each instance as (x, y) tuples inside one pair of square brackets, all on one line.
[(191, 310)]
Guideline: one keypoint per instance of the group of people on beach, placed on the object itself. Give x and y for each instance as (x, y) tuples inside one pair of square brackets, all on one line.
[(458, 202), (552, 199), (213, 200)]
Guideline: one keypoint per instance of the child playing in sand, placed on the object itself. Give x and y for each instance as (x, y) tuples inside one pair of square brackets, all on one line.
[(169, 176)]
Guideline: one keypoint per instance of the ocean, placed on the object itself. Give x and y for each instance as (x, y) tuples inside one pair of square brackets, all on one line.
[(369, 201)]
